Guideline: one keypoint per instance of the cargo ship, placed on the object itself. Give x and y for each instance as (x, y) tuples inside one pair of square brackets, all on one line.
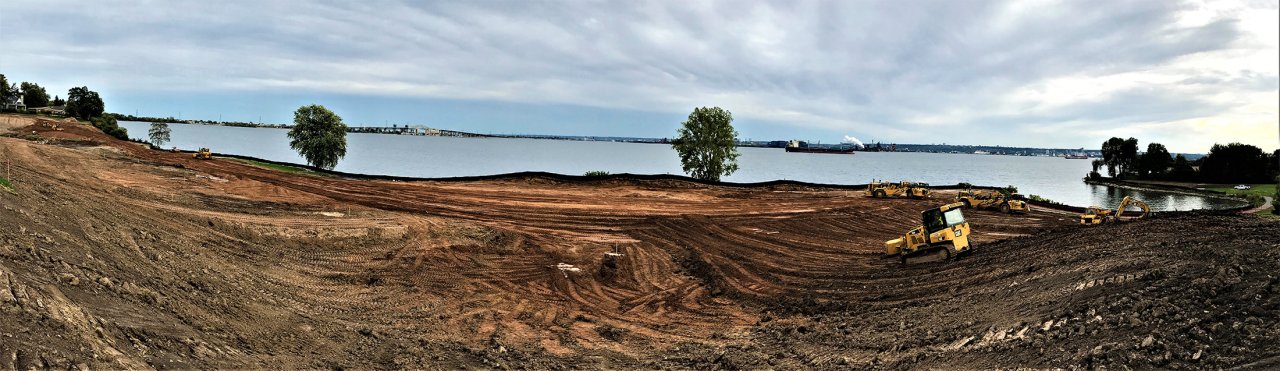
[(802, 147)]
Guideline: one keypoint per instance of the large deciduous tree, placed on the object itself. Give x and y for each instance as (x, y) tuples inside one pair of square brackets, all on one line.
[(1120, 156), (6, 90), (1235, 163), (1155, 162), (707, 144), (319, 136), (84, 103), (33, 95)]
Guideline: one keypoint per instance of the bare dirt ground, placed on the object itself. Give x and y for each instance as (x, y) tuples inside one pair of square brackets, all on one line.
[(116, 256)]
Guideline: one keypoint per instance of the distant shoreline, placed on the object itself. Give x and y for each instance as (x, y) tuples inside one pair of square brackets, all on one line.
[(421, 130)]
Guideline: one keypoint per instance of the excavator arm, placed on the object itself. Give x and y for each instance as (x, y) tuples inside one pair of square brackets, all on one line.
[(1129, 201)]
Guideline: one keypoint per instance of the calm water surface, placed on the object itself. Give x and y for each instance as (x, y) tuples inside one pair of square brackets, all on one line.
[(419, 156)]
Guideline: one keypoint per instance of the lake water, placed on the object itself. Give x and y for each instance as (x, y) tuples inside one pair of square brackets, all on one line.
[(1054, 178)]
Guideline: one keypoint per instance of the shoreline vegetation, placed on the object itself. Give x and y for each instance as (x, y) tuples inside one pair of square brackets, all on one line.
[(423, 130), (1222, 191)]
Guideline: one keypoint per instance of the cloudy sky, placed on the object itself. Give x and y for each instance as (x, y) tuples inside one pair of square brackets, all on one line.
[(1051, 74)]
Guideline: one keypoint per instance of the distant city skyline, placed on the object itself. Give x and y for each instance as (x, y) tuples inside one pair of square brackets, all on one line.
[(1047, 74)]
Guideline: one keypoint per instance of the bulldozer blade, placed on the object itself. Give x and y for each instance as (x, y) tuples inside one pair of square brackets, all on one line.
[(932, 256)]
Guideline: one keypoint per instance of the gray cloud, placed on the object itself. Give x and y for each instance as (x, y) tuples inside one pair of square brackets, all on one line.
[(883, 68)]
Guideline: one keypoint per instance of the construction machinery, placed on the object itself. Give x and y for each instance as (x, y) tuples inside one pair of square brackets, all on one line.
[(203, 154), (992, 200), (942, 235), (1094, 215), (881, 189)]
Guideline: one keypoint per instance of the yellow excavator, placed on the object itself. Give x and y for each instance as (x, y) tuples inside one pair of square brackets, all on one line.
[(992, 200), (203, 154), (881, 189), (942, 235), (1094, 215)]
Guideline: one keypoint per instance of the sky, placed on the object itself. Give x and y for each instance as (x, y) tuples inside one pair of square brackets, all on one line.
[(1059, 74)]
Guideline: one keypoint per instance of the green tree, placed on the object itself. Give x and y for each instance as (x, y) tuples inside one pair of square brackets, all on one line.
[(57, 101), (1129, 156), (1275, 201), (1111, 155), (159, 133), (34, 95), (1182, 169), (84, 103), (1235, 163), (707, 144), (1120, 156), (319, 136), (1155, 162), (5, 91)]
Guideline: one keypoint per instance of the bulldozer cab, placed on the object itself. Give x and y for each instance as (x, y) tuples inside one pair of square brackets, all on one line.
[(937, 219), (943, 233)]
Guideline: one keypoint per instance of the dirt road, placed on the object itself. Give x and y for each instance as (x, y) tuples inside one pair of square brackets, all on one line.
[(114, 256)]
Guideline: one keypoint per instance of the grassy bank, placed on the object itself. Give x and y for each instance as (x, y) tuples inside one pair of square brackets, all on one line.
[(1263, 190), (278, 167)]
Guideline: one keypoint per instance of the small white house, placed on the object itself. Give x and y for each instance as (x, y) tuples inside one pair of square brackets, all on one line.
[(14, 103)]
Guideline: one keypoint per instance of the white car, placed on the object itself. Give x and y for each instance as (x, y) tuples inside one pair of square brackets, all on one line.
[(1242, 187)]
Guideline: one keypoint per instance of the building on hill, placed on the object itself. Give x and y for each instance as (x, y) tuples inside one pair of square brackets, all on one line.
[(14, 102)]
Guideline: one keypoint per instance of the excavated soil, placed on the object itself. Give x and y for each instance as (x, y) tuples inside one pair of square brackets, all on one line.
[(116, 256)]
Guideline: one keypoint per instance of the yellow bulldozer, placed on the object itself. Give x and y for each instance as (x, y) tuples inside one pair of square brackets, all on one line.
[(942, 235), (1094, 215), (881, 189), (992, 200), (203, 154)]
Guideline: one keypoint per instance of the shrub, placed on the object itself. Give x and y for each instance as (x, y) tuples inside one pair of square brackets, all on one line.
[(1275, 201), (108, 125), (596, 173), (1008, 190), (1255, 200)]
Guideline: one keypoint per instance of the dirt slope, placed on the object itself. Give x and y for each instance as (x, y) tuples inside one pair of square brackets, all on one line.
[(116, 256)]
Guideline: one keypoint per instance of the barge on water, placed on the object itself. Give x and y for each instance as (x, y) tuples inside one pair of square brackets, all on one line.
[(803, 147)]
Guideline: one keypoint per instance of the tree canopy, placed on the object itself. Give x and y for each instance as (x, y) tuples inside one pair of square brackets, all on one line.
[(1120, 156), (33, 95), (159, 133), (1155, 162), (84, 103), (1235, 163), (707, 144), (6, 90), (319, 136)]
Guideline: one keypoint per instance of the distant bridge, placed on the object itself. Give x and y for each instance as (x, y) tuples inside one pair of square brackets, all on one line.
[(412, 130)]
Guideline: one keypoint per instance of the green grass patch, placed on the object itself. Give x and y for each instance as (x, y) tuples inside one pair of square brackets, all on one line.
[(1263, 190), (278, 167), (4, 183)]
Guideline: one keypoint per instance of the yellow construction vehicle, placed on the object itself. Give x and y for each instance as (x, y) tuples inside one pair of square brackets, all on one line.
[(1094, 215), (202, 154), (943, 234), (880, 189), (992, 200)]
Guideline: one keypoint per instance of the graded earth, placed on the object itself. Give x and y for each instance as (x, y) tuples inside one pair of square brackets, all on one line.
[(113, 255)]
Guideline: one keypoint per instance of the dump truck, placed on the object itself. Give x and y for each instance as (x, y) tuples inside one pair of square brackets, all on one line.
[(942, 235), (880, 189), (1095, 215), (203, 154), (992, 200)]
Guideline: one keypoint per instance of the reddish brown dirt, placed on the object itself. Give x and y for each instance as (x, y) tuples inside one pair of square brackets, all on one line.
[(116, 256)]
